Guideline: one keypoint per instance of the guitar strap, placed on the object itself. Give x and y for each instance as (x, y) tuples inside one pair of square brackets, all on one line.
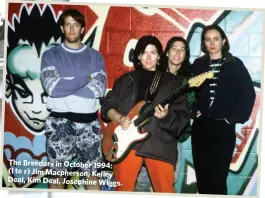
[(154, 87)]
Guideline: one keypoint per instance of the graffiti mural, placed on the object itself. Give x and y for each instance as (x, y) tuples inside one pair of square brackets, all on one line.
[(2, 25), (114, 31)]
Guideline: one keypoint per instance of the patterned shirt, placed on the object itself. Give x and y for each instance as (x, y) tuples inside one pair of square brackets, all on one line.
[(64, 75), (215, 66)]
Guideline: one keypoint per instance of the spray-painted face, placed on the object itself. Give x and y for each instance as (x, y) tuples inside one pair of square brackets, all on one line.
[(28, 97)]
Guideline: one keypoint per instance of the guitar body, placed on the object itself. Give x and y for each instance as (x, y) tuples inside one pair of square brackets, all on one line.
[(116, 142)]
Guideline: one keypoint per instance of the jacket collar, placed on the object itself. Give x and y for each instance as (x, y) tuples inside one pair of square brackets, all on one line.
[(228, 57), (134, 76)]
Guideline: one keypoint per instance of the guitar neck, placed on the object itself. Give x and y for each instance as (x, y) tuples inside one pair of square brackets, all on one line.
[(170, 98)]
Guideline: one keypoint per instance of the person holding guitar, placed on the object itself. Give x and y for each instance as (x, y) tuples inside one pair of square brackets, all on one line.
[(176, 58), (225, 100), (149, 83)]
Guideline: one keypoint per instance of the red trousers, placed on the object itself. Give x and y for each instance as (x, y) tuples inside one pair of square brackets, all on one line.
[(161, 173)]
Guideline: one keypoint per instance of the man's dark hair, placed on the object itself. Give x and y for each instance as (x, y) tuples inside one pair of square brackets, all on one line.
[(75, 14)]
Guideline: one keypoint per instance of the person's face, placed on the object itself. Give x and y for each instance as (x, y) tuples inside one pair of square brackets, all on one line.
[(72, 30), (177, 53), (149, 57), (28, 96), (214, 42), (31, 102)]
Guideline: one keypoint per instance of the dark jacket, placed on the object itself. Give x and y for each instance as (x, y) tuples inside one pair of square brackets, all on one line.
[(191, 101), (162, 142), (234, 95)]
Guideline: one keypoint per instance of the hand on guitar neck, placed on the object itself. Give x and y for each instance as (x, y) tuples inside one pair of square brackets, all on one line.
[(198, 114), (161, 112)]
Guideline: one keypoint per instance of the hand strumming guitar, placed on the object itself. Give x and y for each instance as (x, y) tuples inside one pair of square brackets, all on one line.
[(125, 122), (115, 116)]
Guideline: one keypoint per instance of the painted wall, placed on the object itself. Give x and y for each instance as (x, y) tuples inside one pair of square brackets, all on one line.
[(2, 25), (114, 32)]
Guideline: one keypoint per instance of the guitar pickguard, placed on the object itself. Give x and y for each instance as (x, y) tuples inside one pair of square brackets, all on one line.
[(127, 137)]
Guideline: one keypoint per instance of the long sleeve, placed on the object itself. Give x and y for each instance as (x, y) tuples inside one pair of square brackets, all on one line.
[(178, 115), (112, 99), (190, 95), (96, 88), (191, 101), (54, 84), (246, 94)]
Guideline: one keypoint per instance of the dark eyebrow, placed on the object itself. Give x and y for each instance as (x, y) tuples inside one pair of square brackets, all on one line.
[(178, 47), (212, 37), (72, 23)]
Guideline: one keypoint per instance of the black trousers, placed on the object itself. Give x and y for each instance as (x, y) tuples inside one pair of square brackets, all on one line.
[(213, 143)]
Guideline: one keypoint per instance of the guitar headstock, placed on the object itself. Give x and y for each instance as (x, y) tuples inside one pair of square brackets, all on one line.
[(198, 80)]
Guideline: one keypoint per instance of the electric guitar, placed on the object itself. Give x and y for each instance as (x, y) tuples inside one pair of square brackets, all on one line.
[(116, 142)]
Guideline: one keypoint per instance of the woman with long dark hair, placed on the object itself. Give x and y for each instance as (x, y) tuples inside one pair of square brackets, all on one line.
[(158, 152), (175, 60)]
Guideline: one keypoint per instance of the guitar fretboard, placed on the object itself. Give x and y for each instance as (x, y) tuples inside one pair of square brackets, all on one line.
[(170, 98)]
